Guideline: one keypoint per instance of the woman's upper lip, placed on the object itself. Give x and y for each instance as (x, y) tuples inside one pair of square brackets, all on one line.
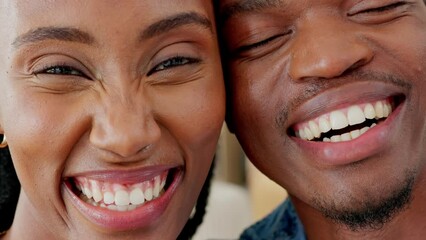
[(125, 175), (341, 97)]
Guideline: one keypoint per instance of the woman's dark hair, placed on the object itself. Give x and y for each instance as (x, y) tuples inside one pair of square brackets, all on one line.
[(9, 190), (200, 209)]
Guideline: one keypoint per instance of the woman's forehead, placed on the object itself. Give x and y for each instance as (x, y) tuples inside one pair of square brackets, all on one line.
[(100, 17), (79, 11)]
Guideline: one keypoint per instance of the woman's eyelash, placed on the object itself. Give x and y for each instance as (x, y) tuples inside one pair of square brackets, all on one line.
[(68, 70), (173, 62), (60, 70)]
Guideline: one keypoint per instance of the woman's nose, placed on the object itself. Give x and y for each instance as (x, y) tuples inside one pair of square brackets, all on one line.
[(124, 127)]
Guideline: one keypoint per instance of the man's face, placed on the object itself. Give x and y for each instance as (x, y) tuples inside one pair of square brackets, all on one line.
[(328, 97)]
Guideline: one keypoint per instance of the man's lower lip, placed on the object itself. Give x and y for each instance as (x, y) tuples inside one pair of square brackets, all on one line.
[(343, 153), (111, 220)]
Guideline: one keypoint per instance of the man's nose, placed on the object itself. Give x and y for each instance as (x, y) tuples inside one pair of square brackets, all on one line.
[(327, 47), (124, 126)]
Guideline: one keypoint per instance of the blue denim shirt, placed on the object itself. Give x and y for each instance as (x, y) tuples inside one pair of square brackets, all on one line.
[(282, 224)]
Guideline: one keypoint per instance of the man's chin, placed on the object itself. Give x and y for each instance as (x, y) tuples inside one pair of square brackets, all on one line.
[(367, 214)]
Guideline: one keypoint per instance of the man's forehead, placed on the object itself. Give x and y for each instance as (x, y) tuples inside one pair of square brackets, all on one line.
[(230, 8)]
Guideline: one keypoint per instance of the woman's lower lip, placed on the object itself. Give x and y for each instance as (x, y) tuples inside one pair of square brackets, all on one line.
[(327, 154), (111, 220)]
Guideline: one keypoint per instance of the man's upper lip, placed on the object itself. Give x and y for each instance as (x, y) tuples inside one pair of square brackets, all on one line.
[(125, 175), (341, 97)]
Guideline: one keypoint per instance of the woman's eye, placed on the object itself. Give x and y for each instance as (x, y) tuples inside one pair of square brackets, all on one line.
[(173, 62), (61, 70)]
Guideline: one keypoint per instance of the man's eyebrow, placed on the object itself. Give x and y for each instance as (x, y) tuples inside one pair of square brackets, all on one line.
[(243, 6), (54, 33), (175, 21)]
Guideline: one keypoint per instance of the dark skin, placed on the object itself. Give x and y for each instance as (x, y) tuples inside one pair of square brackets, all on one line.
[(118, 92), (291, 62)]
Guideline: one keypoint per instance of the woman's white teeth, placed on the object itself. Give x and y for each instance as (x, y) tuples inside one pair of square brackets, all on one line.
[(340, 119), (120, 197), (148, 194), (108, 198), (137, 197), (97, 194), (156, 189)]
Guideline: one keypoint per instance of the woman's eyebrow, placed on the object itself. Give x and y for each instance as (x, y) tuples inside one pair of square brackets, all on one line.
[(75, 35), (164, 25), (246, 6), (57, 33)]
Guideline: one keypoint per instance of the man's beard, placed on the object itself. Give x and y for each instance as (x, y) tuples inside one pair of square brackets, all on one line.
[(369, 215)]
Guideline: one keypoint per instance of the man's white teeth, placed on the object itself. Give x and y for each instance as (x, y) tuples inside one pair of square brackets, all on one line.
[(120, 197), (348, 136), (369, 111), (355, 115), (340, 119), (316, 132), (324, 124)]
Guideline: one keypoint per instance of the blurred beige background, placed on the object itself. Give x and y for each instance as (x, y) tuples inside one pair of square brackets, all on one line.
[(240, 195)]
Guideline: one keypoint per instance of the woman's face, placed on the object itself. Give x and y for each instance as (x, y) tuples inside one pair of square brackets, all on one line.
[(122, 99)]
